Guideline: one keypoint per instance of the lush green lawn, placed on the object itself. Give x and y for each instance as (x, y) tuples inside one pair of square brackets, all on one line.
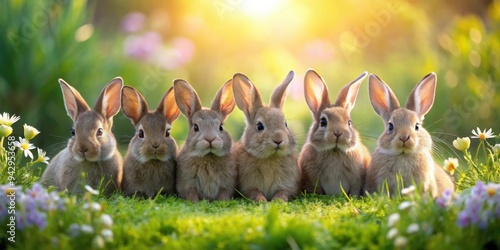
[(307, 222)]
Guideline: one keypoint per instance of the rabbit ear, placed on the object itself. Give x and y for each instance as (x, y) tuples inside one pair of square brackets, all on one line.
[(134, 106), (186, 98), (348, 94), (73, 101), (224, 100), (421, 98), (247, 97), (168, 106), (316, 92), (280, 92), (382, 98), (109, 101)]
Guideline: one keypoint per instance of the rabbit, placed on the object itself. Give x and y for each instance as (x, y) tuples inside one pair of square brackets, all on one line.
[(206, 167), (405, 147), (92, 149), (333, 157), (265, 155), (150, 162)]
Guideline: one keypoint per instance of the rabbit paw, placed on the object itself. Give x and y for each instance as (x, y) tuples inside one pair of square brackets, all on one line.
[(193, 196), (281, 195)]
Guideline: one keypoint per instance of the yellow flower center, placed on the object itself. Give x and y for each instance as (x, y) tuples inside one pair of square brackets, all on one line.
[(25, 146), (40, 159), (482, 136), (491, 191), (451, 166)]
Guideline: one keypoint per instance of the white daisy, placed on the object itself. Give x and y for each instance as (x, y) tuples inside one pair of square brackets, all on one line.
[(25, 146), (482, 135), (5, 119), (42, 157)]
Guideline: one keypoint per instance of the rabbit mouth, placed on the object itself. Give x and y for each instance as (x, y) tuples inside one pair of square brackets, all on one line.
[(86, 157)]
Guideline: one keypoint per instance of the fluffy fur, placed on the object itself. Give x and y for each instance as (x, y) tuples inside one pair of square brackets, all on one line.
[(405, 147), (206, 168), (265, 155), (92, 150), (333, 158), (150, 162)]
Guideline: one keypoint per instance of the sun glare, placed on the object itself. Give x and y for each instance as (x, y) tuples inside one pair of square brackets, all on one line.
[(260, 8)]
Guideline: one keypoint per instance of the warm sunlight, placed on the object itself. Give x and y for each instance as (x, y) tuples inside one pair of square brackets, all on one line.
[(260, 8)]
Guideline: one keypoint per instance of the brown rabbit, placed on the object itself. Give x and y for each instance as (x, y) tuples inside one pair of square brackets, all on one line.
[(92, 149), (333, 158), (206, 168), (405, 147), (150, 162), (265, 155)]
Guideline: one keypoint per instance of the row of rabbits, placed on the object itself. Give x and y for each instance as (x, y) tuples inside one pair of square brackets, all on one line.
[(263, 164)]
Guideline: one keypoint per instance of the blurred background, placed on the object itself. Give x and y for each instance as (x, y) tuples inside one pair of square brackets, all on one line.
[(150, 43)]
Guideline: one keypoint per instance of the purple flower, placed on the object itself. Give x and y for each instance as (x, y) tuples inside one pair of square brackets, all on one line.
[(142, 46), (463, 219), (133, 22)]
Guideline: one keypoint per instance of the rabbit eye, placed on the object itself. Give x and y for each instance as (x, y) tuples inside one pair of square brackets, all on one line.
[(322, 122), (260, 126), (221, 128), (141, 133), (417, 127), (99, 132), (349, 122), (390, 126), (72, 131), (286, 124), (167, 133), (196, 128)]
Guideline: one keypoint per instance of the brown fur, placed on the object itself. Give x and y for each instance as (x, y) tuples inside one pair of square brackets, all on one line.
[(150, 162), (405, 150), (333, 157), (88, 154), (206, 168), (266, 159)]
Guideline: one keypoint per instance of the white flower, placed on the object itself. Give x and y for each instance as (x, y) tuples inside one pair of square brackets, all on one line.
[(462, 144), (482, 135), (94, 206), (400, 242), (106, 220), (25, 146), (450, 165), (5, 119), (392, 233), (42, 157), (496, 149), (87, 229), (405, 205), (408, 190), (412, 228), (30, 132), (393, 219), (98, 242), (107, 235), (91, 190), (5, 130)]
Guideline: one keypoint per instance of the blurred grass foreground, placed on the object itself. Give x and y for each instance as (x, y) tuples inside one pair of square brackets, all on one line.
[(151, 43)]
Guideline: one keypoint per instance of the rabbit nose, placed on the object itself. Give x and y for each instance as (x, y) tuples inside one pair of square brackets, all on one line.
[(156, 145), (337, 133), (278, 142), (210, 140), (404, 139)]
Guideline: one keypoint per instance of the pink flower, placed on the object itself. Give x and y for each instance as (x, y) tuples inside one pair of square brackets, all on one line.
[(133, 22), (142, 46)]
